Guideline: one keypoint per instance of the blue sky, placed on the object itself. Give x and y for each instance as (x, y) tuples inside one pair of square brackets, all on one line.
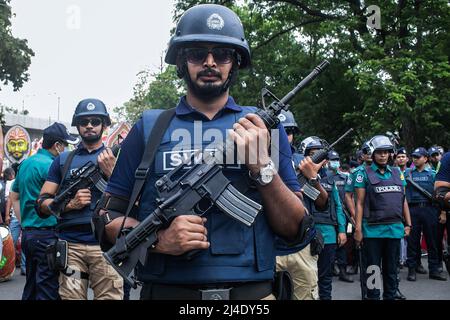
[(86, 48)]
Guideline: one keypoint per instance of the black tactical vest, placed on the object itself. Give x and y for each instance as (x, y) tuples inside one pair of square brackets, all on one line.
[(384, 198), (327, 216)]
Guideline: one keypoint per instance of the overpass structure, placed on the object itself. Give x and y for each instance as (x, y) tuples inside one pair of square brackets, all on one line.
[(35, 126)]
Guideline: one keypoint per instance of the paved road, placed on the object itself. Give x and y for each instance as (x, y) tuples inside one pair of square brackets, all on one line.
[(422, 289)]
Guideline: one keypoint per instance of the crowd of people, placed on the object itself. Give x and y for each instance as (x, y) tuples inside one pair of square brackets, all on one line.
[(318, 217)]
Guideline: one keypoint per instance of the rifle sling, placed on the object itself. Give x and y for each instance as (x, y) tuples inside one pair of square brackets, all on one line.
[(66, 168), (158, 130), (415, 185)]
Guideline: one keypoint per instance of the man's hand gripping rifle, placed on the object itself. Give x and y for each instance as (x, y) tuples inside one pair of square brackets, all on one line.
[(86, 177), (318, 157), (195, 192)]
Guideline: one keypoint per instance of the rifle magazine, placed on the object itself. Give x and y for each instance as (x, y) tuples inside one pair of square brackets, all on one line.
[(238, 206)]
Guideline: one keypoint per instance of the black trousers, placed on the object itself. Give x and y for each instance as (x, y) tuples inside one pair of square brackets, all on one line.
[(440, 237), (381, 257), (41, 283), (325, 273), (424, 219)]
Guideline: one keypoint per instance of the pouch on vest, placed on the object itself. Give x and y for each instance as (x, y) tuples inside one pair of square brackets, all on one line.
[(283, 288), (317, 244), (57, 255)]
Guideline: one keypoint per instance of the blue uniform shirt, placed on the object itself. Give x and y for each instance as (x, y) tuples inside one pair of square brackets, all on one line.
[(393, 230), (424, 178), (443, 173)]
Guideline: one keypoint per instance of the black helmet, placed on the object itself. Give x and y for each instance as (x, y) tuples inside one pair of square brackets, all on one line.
[(333, 155), (366, 148), (288, 121), (209, 23), (91, 107), (310, 143)]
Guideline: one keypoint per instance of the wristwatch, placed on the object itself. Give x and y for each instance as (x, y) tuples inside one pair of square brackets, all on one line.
[(314, 180), (265, 175)]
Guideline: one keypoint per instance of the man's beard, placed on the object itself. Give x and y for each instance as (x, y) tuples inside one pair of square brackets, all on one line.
[(209, 91), (91, 139)]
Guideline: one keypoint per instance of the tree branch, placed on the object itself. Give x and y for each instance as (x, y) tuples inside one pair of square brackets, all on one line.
[(311, 12), (285, 31)]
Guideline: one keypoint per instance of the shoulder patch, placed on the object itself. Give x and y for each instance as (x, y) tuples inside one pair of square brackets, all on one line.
[(349, 180), (359, 178)]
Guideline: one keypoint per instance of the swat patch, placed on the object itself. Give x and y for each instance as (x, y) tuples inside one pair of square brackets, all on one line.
[(215, 22), (385, 189), (172, 159), (359, 178)]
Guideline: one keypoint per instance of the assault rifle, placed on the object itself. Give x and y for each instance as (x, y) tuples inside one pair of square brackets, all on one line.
[(318, 157), (86, 177), (201, 187), (419, 188)]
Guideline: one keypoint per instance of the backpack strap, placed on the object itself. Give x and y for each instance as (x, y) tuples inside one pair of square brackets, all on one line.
[(66, 167), (160, 126)]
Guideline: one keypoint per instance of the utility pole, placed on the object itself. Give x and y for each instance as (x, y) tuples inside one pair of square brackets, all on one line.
[(59, 102)]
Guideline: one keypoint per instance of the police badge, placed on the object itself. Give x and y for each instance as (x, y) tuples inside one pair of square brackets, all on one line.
[(359, 178), (215, 22)]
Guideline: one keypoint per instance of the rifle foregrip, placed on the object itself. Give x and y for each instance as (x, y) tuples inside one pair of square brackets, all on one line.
[(319, 156)]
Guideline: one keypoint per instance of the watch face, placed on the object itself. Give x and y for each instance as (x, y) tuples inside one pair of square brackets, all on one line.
[(267, 175)]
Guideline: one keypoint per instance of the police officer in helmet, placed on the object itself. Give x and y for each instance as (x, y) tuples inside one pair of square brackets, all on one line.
[(86, 266), (236, 262), (300, 260), (287, 120), (382, 216), (328, 217), (340, 178)]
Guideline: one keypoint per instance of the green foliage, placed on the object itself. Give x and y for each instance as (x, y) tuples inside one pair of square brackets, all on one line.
[(152, 91), (15, 55), (396, 78)]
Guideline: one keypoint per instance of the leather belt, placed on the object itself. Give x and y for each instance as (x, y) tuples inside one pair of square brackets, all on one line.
[(420, 204), (38, 228), (236, 291), (77, 228)]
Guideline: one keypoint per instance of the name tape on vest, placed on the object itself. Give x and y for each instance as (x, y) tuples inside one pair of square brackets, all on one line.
[(385, 189)]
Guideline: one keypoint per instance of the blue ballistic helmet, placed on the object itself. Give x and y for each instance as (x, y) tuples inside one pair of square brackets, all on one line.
[(209, 23), (333, 155), (379, 143), (91, 107), (314, 143), (288, 121)]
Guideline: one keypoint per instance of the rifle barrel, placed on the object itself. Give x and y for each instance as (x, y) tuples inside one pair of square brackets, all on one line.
[(317, 70)]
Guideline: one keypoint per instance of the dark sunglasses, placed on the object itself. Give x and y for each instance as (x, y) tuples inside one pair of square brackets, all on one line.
[(198, 55), (95, 122), (290, 131)]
